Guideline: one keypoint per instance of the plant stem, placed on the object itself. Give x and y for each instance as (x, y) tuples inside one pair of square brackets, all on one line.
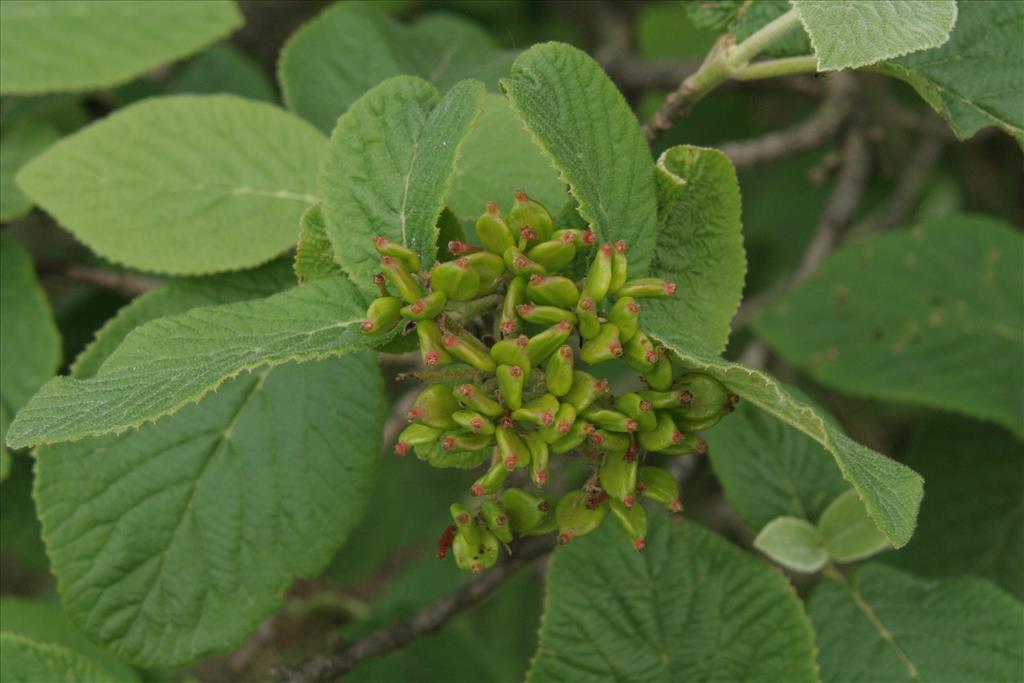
[(771, 68)]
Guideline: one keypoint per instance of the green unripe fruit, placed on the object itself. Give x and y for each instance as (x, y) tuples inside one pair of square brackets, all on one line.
[(432, 344), (688, 425), (469, 349), (620, 267), (525, 511), (580, 431), (434, 407), (603, 347), (456, 279), (546, 342), (400, 279), (496, 520), (634, 405), (633, 521), (512, 352), (647, 287), (558, 371), (511, 379), (583, 239), (565, 418), (492, 479), (475, 557), (599, 274), (575, 517), (539, 458), (409, 258), (609, 441), (586, 317), (659, 485), (708, 396), (639, 352), (493, 231), (511, 448), (466, 441), (416, 435), (382, 315), (611, 420), (544, 315), (689, 444), (552, 290), (618, 477), (521, 264), (540, 411), (427, 307), (666, 400), (660, 376), (547, 525), (665, 434), (554, 254), (626, 314), (508, 321), (465, 523), (585, 390), (474, 398), (473, 421), (527, 213), (488, 266)]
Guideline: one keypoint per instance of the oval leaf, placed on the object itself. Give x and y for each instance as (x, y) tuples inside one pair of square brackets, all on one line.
[(184, 184), (794, 543), (17, 147), (847, 531)]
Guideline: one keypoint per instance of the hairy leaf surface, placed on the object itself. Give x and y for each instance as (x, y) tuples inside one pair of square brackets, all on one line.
[(794, 543), (314, 255), (22, 659)]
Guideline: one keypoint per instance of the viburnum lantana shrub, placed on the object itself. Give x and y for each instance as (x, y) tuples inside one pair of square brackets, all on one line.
[(563, 299)]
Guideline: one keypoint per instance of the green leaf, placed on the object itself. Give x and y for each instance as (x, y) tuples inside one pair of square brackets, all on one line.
[(847, 531), (314, 255), (667, 613), (972, 520), (86, 44), (167, 363), (794, 543), (345, 51), (854, 33), (930, 316), (974, 79), (46, 624), (582, 122), (880, 624), (742, 18), (224, 69), (769, 469), (29, 342), (699, 247), (389, 167), (185, 184), (26, 660), (21, 538), (17, 147), (499, 158)]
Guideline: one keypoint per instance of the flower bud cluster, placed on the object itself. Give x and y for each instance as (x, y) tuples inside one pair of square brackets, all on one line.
[(533, 397)]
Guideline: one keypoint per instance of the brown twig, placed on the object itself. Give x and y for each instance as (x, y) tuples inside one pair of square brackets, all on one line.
[(128, 285)]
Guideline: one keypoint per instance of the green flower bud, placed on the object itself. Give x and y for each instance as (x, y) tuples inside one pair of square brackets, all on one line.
[(456, 279), (633, 521), (469, 349), (416, 435), (639, 352), (558, 371), (427, 307), (609, 441), (511, 379), (521, 264), (583, 239), (546, 342), (382, 315), (554, 254), (586, 315), (434, 407), (626, 314), (708, 396), (475, 557), (552, 290), (620, 266), (599, 274), (492, 479), (585, 390), (465, 523), (649, 287), (496, 520), (466, 441), (527, 213), (578, 433), (539, 458), (690, 443), (512, 352), (432, 344), (474, 398), (473, 421), (611, 420), (618, 477), (660, 376), (511, 448), (540, 411), (409, 258), (664, 435), (565, 418), (400, 279), (659, 485), (604, 347), (636, 407), (508, 322), (575, 517), (492, 230), (666, 400), (544, 315), (525, 511)]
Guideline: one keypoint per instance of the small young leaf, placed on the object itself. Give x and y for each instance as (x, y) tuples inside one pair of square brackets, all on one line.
[(848, 532), (879, 624), (615, 614), (794, 543), (897, 318), (314, 256), (186, 184), (742, 18), (17, 147), (317, 69), (26, 660), (87, 44), (582, 122), (389, 167), (852, 33)]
